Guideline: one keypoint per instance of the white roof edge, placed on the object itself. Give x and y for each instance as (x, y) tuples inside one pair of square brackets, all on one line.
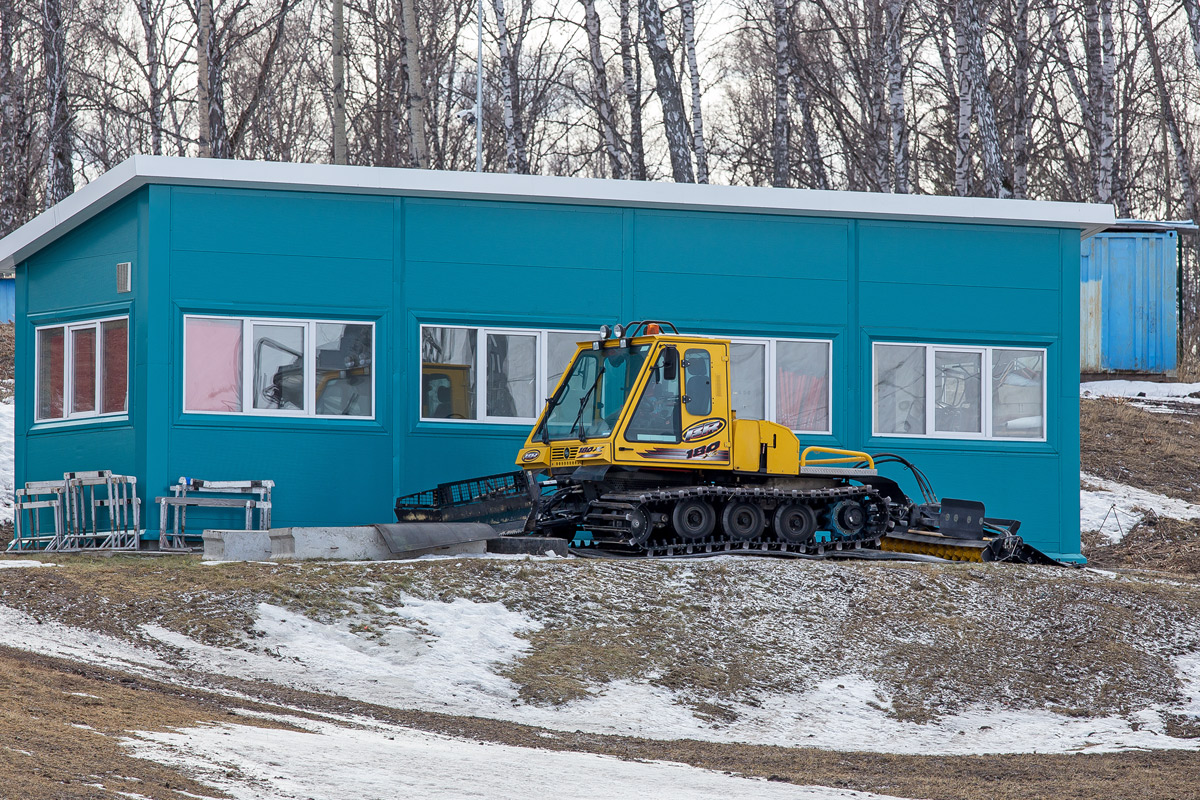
[(137, 171)]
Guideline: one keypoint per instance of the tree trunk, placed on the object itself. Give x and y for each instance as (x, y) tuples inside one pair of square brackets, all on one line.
[(12, 199), (339, 82), (1193, 15), (780, 129), (985, 111), (814, 160), (1104, 179), (895, 23), (210, 94), (416, 84), (670, 95), (514, 139), (60, 181), (632, 86), (962, 141), (1021, 129), (155, 87), (600, 93), (688, 8), (1170, 122)]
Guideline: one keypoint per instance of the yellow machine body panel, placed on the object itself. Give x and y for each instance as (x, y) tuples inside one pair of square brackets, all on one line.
[(764, 447)]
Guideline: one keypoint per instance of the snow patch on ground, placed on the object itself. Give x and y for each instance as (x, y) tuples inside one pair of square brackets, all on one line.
[(380, 761), (448, 657), (1114, 508), (15, 564), (48, 637), (7, 460), (1148, 389), (436, 657)]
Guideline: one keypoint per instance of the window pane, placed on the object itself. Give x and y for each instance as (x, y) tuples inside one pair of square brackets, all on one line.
[(748, 370), (114, 389), (560, 348), (50, 373), (278, 364), (212, 373), (802, 385), (448, 372), (83, 370), (656, 418), (511, 375), (1018, 377), (899, 389), (344, 371), (957, 381), (698, 388)]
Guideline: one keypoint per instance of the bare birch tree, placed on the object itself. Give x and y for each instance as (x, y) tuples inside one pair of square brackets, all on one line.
[(1170, 120), (631, 73), (688, 7), (780, 125), (516, 158), (600, 94), (339, 82), (894, 22), (12, 113), (416, 83), (60, 179), (670, 95)]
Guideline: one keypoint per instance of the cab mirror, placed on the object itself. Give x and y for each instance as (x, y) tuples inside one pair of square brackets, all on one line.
[(670, 365)]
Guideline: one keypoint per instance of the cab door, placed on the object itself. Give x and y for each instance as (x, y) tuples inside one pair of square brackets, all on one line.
[(705, 430), (681, 409)]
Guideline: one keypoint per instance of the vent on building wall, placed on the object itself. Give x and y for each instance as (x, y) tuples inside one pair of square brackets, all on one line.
[(124, 277)]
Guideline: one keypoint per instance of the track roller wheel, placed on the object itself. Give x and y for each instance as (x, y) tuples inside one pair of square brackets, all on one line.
[(639, 525), (743, 521), (694, 519), (847, 518), (795, 523)]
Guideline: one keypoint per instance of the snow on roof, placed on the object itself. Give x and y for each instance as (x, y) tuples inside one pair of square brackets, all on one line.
[(138, 171)]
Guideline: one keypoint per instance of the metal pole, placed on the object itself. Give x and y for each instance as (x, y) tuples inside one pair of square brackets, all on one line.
[(479, 93)]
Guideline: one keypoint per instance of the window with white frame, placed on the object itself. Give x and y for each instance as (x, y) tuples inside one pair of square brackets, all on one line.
[(785, 380), (286, 367), (82, 370), (959, 392), (491, 374)]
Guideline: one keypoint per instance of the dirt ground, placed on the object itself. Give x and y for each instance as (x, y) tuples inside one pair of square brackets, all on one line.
[(48, 700), (62, 721), (1152, 450)]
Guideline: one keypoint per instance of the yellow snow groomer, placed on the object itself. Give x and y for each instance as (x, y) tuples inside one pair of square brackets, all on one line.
[(639, 447)]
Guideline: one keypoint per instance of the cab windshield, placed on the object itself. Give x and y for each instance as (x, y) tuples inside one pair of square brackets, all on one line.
[(602, 379)]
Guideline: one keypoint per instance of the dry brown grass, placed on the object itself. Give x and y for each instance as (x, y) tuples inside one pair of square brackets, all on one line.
[(1157, 452), (61, 727), (1153, 451)]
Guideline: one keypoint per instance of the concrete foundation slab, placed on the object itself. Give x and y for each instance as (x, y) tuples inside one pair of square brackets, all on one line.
[(351, 543)]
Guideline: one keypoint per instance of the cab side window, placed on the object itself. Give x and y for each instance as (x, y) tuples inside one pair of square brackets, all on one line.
[(697, 391), (656, 418)]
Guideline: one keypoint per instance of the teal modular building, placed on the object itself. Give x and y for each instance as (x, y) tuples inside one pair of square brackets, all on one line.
[(355, 334)]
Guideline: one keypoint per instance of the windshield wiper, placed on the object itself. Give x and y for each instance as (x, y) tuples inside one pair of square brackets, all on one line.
[(583, 402)]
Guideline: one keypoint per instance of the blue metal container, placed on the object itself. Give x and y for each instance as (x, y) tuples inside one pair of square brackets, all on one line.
[(8, 299), (1128, 302)]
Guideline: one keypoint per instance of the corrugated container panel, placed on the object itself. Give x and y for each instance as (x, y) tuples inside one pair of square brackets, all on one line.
[(8, 299), (1128, 307)]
